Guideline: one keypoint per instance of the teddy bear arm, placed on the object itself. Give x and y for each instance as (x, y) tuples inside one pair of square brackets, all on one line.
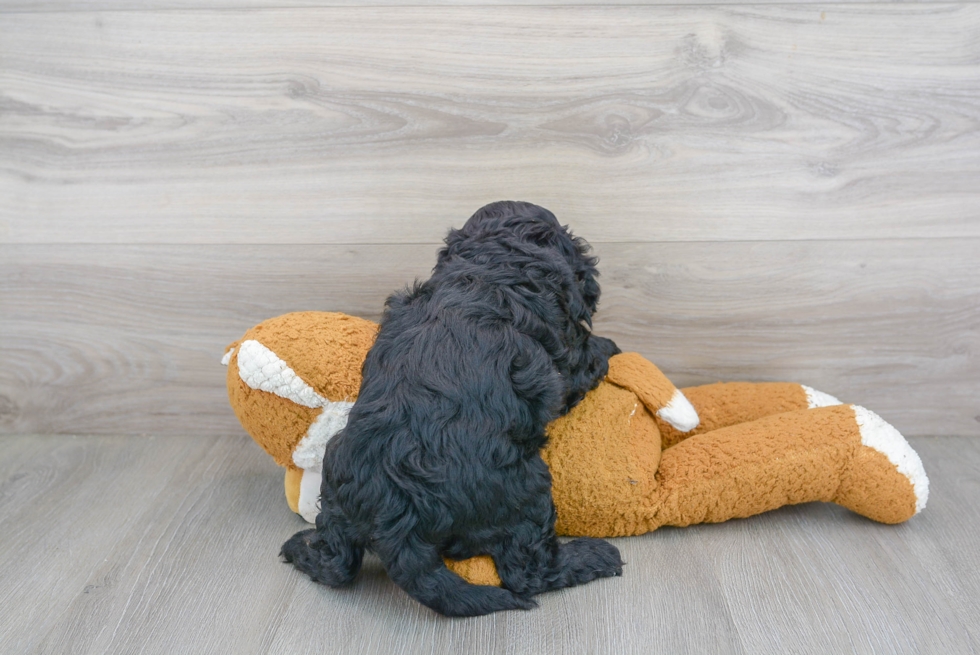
[(658, 394)]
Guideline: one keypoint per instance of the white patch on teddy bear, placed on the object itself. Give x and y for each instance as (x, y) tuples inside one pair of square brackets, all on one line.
[(309, 494), (333, 419), (816, 398), (262, 369), (882, 436), (680, 413)]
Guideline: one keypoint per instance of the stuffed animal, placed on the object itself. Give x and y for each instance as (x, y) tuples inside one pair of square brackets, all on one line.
[(635, 454)]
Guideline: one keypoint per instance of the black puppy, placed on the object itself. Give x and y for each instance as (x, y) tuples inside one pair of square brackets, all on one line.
[(440, 455)]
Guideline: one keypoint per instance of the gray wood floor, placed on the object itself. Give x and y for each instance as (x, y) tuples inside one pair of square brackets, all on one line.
[(168, 545)]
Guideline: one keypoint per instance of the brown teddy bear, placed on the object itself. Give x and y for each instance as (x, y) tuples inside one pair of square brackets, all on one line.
[(635, 454)]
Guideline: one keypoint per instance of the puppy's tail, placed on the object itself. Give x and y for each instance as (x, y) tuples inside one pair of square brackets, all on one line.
[(328, 558), (450, 595)]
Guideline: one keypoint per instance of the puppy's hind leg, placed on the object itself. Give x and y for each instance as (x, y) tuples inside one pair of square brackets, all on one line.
[(530, 559), (328, 554), (421, 572), (533, 569)]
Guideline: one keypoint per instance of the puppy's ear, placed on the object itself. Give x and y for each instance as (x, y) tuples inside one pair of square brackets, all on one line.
[(452, 240), (577, 253), (538, 385), (588, 285)]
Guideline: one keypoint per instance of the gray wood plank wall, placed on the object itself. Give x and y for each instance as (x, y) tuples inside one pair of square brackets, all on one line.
[(32, 6), (784, 191)]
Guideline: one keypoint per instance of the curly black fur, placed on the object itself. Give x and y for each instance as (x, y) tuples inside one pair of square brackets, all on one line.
[(440, 456)]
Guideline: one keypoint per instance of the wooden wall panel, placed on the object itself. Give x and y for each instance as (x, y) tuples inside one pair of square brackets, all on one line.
[(778, 191), (121, 339), (126, 339), (32, 6), (372, 124)]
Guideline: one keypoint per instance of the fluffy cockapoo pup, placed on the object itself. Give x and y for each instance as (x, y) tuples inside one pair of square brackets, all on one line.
[(441, 453)]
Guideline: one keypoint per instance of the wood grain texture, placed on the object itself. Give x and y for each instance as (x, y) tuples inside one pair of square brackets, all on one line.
[(32, 6), (121, 545), (343, 125), (126, 339)]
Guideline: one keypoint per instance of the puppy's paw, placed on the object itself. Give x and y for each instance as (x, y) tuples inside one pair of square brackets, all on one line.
[(592, 558), (605, 347), (309, 553)]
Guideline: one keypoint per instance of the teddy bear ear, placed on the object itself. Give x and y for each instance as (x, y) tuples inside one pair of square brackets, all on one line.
[(229, 351), (264, 370), (288, 417), (275, 422)]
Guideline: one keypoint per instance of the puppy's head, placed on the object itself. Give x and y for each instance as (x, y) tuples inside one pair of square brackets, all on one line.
[(536, 227)]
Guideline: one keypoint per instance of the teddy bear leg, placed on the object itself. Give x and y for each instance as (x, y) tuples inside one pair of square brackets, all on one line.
[(293, 484), (724, 404), (843, 454), (885, 477), (303, 491)]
